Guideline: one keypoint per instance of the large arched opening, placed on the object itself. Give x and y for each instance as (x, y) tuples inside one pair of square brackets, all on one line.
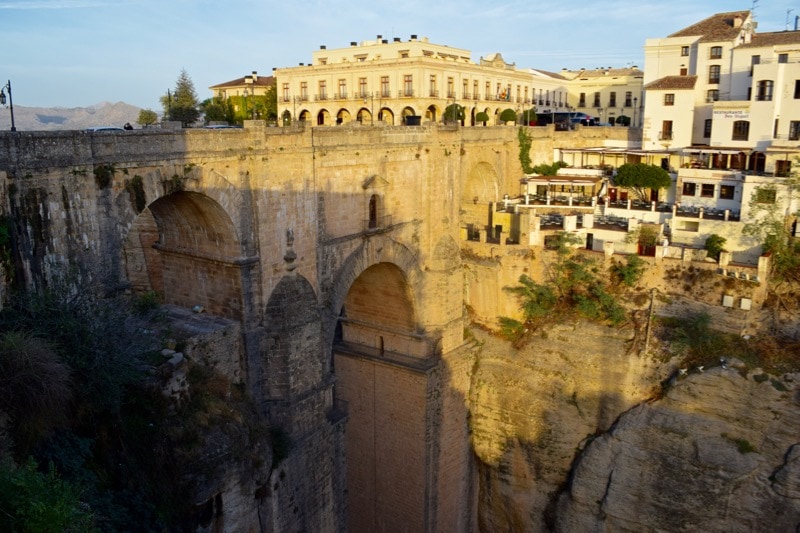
[(382, 364)]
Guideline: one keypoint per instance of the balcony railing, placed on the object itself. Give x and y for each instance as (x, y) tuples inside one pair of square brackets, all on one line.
[(321, 97), (665, 136), (405, 93)]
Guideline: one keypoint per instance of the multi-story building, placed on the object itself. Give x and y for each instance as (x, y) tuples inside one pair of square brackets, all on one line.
[(238, 91), (613, 95), (724, 100), (408, 81)]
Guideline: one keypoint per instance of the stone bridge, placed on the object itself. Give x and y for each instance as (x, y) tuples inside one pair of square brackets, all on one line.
[(335, 251)]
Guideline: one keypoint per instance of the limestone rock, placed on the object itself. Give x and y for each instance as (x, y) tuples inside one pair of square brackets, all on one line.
[(718, 453)]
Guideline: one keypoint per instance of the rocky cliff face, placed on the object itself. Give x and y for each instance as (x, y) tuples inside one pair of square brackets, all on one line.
[(569, 438), (721, 452)]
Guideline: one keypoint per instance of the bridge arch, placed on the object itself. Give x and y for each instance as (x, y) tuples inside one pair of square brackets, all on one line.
[(293, 360), (482, 184), (185, 246)]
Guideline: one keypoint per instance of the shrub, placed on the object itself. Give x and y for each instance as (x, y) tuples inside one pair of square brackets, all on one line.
[(508, 115), (714, 245), (630, 273), (482, 116)]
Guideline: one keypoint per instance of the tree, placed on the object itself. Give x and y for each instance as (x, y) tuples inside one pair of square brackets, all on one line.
[(770, 226), (482, 116), (181, 105), (529, 117), (714, 245), (639, 177), (453, 113), (147, 117), (508, 115), (213, 110)]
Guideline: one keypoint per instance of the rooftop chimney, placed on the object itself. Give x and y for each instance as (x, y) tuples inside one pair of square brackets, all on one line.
[(353, 43), (413, 37), (322, 47), (384, 41), (255, 76), (397, 39), (379, 37)]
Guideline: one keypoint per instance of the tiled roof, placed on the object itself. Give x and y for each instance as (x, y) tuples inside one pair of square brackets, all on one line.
[(719, 27), (672, 82), (773, 38), (261, 81), (605, 72)]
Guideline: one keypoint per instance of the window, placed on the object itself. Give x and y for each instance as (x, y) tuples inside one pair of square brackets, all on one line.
[(475, 90), (323, 90), (794, 130), (783, 58), (796, 89), (783, 168), (712, 95), (488, 92), (669, 99), (689, 188), (582, 100), (385, 86), (764, 93), (342, 88), (596, 99), (628, 96), (285, 92), (362, 87), (726, 192), (408, 85), (707, 128), (707, 190), (684, 71), (465, 90), (684, 51), (754, 60), (451, 88), (304, 90), (715, 52), (741, 130), (765, 196), (713, 74), (612, 99), (432, 85), (666, 131)]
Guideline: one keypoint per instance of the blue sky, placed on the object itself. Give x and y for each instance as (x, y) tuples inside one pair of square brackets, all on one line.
[(76, 53)]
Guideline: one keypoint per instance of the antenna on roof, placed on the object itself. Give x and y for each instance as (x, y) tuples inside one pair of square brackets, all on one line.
[(753, 9), (788, 11)]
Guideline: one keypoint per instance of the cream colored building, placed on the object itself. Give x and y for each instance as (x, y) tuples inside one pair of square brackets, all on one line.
[(390, 81), (607, 93)]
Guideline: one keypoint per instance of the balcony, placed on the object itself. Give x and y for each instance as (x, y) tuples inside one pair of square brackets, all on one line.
[(406, 93), (321, 97), (665, 136)]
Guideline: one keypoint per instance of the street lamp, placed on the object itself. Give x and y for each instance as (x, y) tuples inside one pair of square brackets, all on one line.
[(635, 100), (10, 102)]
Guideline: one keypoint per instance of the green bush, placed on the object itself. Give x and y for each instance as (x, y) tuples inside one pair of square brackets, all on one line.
[(630, 273), (482, 116), (34, 501), (508, 115), (714, 245)]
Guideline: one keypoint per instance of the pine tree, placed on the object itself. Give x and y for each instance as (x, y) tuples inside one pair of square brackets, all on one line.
[(182, 105)]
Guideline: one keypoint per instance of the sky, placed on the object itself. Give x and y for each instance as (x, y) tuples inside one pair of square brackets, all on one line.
[(78, 53)]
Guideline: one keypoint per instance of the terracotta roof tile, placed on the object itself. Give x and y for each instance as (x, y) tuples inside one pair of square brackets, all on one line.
[(719, 27), (672, 82), (773, 38), (261, 81)]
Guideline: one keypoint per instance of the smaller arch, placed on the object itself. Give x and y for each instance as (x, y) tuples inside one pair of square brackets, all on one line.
[(386, 116), (286, 118), (323, 117), (407, 111), (431, 113), (305, 115), (343, 117), (757, 162), (364, 116)]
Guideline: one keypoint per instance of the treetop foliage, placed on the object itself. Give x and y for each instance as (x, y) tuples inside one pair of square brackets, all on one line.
[(639, 177), (181, 104)]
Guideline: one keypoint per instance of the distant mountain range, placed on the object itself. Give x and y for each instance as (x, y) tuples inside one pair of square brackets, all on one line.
[(74, 118)]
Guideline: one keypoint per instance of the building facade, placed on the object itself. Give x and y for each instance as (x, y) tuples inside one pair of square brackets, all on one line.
[(613, 95), (390, 82)]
